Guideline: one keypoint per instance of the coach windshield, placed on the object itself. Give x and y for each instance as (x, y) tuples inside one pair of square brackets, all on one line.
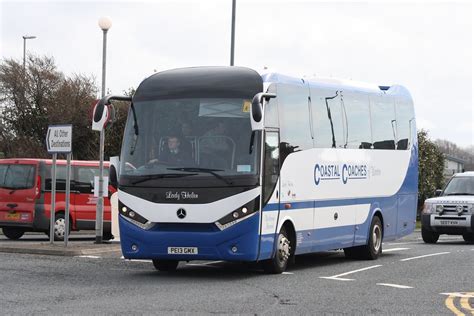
[(188, 139)]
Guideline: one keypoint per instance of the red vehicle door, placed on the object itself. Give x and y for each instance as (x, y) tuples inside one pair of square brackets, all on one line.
[(86, 201), (19, 188)]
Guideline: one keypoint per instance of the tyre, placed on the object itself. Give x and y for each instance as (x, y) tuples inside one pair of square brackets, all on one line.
[(108, 236), (165, 265), (279, 262), (469, 238), (429, 237), (373, 249), (13, 233), (60, 227)]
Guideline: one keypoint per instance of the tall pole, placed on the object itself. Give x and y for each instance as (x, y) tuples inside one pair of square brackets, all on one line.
[(105, 24), (232, 40), (24, 53), (25, 37)]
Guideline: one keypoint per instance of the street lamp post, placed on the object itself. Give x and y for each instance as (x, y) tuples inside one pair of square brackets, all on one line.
[(232, 39), (25, 37), (105, 23)]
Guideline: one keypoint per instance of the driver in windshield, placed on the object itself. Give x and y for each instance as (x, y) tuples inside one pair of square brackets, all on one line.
[(174, 153)]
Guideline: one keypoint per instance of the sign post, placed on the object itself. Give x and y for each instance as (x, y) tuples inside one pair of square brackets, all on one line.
[(59, 141)]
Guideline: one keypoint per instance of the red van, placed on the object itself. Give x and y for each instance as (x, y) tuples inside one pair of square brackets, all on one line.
[(25, 197)]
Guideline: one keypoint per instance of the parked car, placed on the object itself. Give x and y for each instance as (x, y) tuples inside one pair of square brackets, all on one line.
[(25, 197), (452, 211)]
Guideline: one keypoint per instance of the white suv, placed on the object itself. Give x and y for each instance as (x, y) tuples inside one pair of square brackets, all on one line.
[(452, 211)]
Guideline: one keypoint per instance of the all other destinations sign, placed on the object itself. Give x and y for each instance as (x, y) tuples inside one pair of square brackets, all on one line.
[(59, 138)]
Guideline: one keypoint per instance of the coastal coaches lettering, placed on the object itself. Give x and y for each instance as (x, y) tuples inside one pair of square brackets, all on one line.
[(224, 163), (25, 197)]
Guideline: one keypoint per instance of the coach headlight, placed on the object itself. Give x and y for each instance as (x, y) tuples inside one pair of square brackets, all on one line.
[(238, 215), (133, 217), (428, 208)]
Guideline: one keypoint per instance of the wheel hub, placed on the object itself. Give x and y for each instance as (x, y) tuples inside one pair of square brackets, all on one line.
[(283, 248)]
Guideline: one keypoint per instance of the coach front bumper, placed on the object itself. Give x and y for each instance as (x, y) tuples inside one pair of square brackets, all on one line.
[(236, 243)]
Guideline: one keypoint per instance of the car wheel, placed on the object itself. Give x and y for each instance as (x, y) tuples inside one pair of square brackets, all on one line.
[(279, 262), (13, 233), (469, 238), (165, 265), (60, 227), (429, 237)]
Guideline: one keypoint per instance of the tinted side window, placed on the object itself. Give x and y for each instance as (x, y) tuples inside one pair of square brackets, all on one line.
[(60, 178), (271, 165), (405, 114), (358, 121), (3, 172), (323, 132), (294, 117), (383, 122)]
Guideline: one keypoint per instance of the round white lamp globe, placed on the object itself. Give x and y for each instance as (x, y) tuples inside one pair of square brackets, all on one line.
[(105, 23)]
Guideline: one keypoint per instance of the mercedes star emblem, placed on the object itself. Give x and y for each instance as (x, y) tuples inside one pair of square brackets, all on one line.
[(181, 213)]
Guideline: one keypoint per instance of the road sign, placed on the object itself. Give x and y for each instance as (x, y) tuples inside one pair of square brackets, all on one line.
[(59, 139)]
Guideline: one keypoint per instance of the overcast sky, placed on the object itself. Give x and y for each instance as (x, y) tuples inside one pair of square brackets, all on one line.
[(425, 46)]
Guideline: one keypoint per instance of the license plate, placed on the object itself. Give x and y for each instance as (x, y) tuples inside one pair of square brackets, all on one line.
[(448, 223), (182, 250), (13, 217)]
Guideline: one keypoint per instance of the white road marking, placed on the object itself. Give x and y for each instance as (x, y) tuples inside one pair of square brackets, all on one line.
[(398, 286), (287, 272), (457, 294), (337, 277), (204, 264), (424, 256), (90, 257), (402, 243), (395, 249)]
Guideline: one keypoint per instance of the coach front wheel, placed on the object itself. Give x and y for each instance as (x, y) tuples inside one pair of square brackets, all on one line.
[(279, 262), (165, 265)]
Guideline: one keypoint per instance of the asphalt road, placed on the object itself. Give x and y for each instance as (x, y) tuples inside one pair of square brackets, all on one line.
[(409, 278)]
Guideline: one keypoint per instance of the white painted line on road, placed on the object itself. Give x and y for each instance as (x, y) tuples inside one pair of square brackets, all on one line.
[(287, 272), (398, 286), (90, 257), (402, 243), (430, 255), (457, 294), (337, 277), (204, 264), (395, 249)]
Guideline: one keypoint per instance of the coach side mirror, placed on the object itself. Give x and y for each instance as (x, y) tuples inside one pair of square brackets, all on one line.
[(438, 192), (113, 179), (257, 112), (114, 171)]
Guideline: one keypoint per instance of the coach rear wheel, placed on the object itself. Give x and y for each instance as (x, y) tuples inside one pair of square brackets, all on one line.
[(165, 265), (373, 249), (429, 237), (13, 232), (469, 238), (279, 262)]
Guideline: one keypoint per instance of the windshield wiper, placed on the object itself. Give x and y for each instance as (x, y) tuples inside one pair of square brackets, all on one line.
[(205, 170), (162, 175), (460, 194)]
